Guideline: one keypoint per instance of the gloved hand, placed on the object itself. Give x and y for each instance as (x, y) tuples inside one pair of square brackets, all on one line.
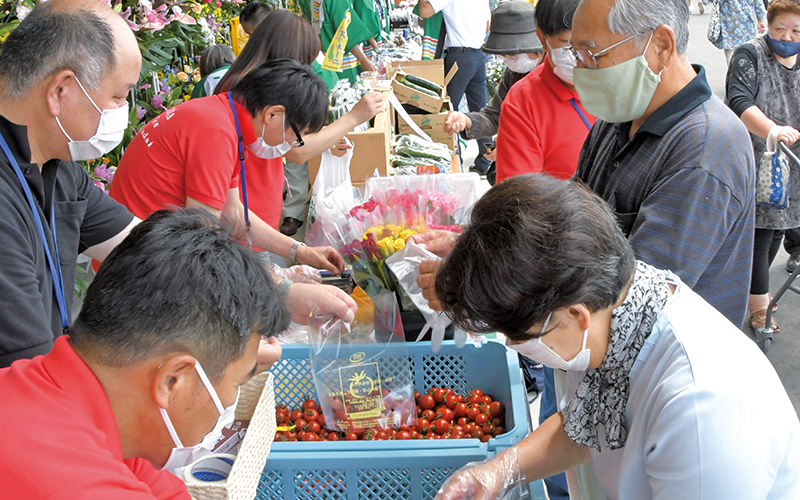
[(498, 477), (298, 274)]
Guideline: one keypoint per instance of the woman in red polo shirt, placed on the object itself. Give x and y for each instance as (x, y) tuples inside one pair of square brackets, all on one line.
[(542, 122)]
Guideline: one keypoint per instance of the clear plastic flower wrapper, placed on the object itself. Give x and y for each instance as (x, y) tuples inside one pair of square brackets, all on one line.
[(298, 274), (496, 478), (362, 373)]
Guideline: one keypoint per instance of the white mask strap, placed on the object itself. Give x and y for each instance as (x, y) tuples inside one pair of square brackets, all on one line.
[(87, 96), (170, 428), (209, 387), (585, 337), (62, 130)]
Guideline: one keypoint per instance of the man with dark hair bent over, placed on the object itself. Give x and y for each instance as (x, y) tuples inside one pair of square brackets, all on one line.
[(168, 332)]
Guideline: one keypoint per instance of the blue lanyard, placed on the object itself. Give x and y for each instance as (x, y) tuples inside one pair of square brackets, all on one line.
[(55, 270), (580, 113), (241, 174)]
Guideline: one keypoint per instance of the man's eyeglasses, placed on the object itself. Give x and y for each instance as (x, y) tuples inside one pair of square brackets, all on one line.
[(299, 141), (589, 59)]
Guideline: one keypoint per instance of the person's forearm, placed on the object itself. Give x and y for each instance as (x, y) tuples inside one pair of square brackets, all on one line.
[(359, 54), (323, 140), (757, 122), (100, 251), (548, 450)]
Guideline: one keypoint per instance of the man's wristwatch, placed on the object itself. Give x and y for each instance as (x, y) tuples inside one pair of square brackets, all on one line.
[(293, 251)]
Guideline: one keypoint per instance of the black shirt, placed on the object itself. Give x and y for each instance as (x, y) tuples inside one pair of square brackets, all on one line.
[(85, 216)]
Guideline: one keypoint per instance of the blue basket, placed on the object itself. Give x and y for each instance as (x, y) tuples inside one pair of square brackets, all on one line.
[(394, 470)]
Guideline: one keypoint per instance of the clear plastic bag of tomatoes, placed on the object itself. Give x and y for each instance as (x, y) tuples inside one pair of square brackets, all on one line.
[(362, 374)]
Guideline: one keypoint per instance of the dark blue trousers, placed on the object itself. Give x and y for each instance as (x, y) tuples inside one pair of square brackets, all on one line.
[(470, 80)]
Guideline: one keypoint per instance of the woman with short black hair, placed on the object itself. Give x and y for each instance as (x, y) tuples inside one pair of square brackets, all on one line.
[(654, 393)]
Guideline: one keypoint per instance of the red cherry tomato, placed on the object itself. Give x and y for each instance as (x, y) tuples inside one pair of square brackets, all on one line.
[(440, 426), (481, 418), (422, 426), (497, 409), (314, 427), (429, 415), (450, 401), (445, 413), (497, 422), (301, 424), (417, 396), (462, 421), (332, 436), (296, 415), (489, 429), (351, 436), (485, 438), (473, 412), (311, 415), (427, 402), (403, 435), (500, 431), (309, 404), (476, 393), (438, 395), (486, 399), (460, 410)]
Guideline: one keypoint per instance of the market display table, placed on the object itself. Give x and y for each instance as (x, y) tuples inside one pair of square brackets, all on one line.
[(395, 470)]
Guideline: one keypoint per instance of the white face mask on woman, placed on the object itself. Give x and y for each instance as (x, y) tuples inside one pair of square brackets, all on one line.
[(181, 456), (520, 63), (536, 350)]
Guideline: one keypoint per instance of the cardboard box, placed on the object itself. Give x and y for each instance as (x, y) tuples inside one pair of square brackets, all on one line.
[(371, 149), (429, 103), (431, 124), (432, 70)]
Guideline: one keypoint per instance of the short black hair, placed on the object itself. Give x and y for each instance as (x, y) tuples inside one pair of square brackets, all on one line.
[(178, 283), (555, 16), (291, 84), (214, 57), (534, 244), (50, 40), (253, 13)]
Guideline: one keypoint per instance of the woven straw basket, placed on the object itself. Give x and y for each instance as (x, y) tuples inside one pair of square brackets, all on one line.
[(256, 403)]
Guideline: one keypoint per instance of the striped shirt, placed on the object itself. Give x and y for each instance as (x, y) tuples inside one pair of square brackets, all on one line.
[(683, 189)]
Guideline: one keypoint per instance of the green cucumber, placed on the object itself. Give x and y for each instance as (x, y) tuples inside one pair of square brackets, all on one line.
[(421, 82), (404, 80)]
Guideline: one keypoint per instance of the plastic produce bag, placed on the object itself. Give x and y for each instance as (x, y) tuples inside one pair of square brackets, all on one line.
[(331, 196), (405, 266), (362, 373)]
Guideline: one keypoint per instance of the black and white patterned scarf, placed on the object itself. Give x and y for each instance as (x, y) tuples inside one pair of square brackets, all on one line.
[(602, 393)]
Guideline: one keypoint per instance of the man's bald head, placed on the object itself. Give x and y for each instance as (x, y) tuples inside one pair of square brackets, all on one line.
[(84, 36)]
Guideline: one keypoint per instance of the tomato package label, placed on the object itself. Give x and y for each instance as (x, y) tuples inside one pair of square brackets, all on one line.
[(361, 390)]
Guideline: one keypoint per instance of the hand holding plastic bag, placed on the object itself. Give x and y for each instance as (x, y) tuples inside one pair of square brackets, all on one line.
[(405, 266), (498, 477)]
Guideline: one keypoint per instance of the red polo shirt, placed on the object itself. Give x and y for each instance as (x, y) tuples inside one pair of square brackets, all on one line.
[(540, 130), (191, 151), (60, 439)]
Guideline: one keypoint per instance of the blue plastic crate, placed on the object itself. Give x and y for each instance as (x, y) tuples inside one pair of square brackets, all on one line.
[(394, 470)]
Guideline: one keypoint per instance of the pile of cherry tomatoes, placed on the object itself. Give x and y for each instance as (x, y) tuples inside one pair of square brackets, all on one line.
[(441, 414)]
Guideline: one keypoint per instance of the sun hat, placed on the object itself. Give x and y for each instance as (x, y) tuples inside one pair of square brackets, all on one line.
[(513, 30)]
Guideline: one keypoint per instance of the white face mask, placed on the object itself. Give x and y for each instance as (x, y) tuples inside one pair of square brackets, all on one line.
[(182, 456), (110, 130), (563, 63), (261, 149), (536, 350), (521, 63)]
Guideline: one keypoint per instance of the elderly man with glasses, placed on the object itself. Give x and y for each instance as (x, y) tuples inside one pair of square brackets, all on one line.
[(666, 154)]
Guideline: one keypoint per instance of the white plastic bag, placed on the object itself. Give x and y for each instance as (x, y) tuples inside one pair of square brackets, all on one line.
[(405, 266), (331, 196)]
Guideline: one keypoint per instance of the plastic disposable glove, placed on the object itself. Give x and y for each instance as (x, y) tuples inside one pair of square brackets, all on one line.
[(298, 274), (498, 477)]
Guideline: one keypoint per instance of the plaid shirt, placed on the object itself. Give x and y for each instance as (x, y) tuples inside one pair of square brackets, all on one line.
[(683, 189)]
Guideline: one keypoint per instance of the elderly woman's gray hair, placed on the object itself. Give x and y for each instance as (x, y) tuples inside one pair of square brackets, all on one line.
[(628, 17), (534, 244)]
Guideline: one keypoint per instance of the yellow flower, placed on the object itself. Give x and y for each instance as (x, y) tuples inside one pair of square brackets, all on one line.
[(197, 8), (182, 76), (187, 68), (187, 97), (196, 76), (404, 234), (399, 244)]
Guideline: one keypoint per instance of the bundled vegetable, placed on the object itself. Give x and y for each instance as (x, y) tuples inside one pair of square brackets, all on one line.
[(412, 154), (420, 85)]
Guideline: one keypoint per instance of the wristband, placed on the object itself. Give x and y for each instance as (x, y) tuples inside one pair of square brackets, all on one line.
[(284, 286), (293, 251)]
